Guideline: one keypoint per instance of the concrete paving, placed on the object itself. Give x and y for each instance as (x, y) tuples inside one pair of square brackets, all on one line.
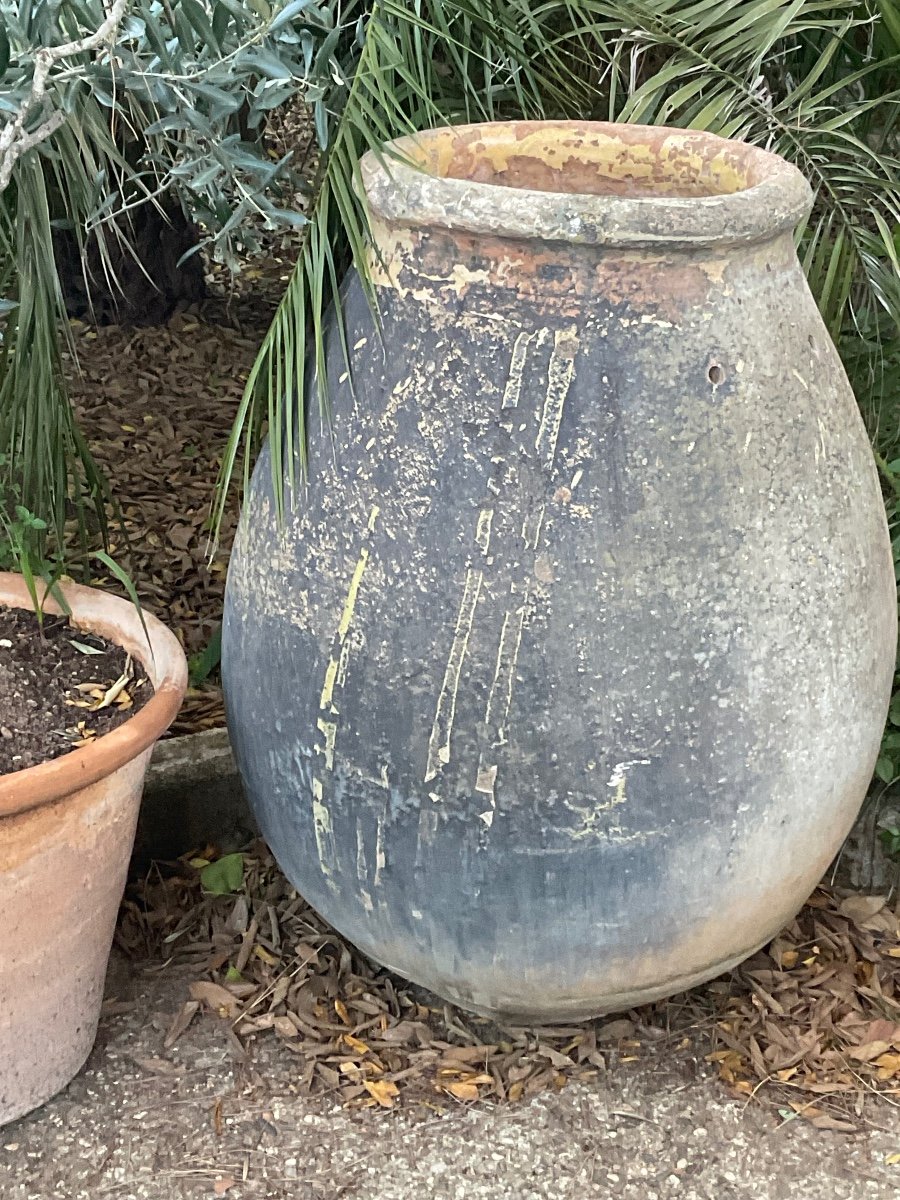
[(144, 1123)]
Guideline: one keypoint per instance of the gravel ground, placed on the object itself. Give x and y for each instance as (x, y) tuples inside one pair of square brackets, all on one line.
[(144, 1123)]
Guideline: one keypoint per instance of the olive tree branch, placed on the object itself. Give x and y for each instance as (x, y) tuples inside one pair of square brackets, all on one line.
[(15, 139)]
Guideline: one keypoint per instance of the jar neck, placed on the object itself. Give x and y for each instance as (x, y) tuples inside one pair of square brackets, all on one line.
[(458, 269)]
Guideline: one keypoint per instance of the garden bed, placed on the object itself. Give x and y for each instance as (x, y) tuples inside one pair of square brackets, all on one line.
[(156, 405)]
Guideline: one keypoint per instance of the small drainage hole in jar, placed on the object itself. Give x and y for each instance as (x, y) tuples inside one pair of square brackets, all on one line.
[(716, 374)]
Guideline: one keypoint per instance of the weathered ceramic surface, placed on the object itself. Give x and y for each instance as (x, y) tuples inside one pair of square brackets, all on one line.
[(66, 831), (565, 678)]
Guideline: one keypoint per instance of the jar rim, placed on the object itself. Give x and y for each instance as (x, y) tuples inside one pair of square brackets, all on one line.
[(587, 182)]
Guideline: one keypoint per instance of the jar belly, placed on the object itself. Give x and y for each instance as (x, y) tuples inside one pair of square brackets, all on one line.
[(562, 691)]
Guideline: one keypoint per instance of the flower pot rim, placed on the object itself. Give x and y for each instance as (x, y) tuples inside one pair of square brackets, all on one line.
[(405, 186), (162, 658)]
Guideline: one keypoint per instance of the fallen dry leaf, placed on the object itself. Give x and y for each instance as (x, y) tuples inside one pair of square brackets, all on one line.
[(180, 1022), (383, 1091), (861, 908), (888, 1065), (868, 1051), (825, 1121), (355, 1043), (216, 998), (341, 1009)]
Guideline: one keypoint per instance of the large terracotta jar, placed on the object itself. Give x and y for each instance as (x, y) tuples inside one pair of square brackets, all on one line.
[(563, 680)]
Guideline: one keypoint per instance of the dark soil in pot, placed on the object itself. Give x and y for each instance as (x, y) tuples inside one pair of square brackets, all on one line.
[(60, 687)]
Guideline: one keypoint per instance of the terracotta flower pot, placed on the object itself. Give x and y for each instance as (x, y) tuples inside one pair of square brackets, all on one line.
[(66, 831), (565, 677)]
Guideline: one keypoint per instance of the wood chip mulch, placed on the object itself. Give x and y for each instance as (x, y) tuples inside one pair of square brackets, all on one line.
[(810, 1026), (156, 406)]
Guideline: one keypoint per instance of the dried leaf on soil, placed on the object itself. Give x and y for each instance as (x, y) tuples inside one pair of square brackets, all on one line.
[(156, 406)]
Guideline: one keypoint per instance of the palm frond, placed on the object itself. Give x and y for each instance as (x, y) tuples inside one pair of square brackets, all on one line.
[(173, 110), (406, 67), (798, 77), (47, 464), (39, 442), (814, 80)]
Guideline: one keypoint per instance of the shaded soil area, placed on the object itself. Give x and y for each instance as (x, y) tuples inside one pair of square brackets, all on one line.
[(60, 688), (156, 406)]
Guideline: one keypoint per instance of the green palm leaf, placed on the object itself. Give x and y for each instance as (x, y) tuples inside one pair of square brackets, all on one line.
[(413, 66), (815, 81)]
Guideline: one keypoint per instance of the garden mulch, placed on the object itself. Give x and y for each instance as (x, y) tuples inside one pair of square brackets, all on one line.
[(60, 688), (156, 406), (808, 1028)]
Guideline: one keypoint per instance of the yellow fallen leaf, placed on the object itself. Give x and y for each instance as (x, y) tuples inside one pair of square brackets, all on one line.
[(266, 956), (462, 1090), (382, 1090), (341, 1009), (894, 952), (888, 1065), (516, 1090), (789, 959), (892, 1160), (355, 1044), (868, 1051)]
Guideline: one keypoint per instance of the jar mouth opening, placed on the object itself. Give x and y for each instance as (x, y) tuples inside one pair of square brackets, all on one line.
[(586, 182)]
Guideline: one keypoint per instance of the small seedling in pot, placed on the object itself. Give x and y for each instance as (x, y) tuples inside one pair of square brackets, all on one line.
[(21, 549)]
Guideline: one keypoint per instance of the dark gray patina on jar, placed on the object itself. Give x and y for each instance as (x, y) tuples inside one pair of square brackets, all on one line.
[(565, 678)]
